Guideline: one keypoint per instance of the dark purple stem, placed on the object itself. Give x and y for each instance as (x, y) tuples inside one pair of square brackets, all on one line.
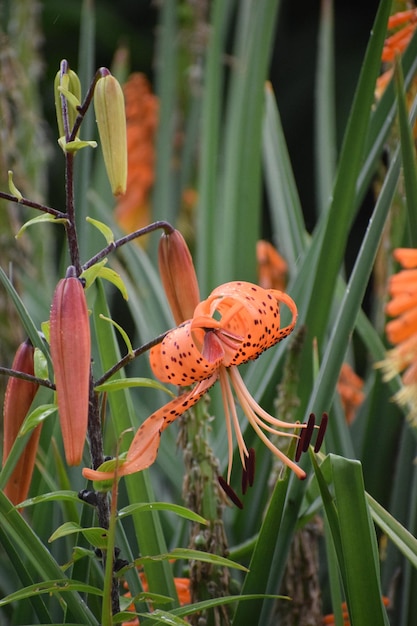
[(5, 371), (166, 226)]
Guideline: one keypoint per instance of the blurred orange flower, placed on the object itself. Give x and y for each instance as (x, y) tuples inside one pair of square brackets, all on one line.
[(350, 388), (402, 331), (182, 586), (395, 44), (133, 209), (329, 620), (272, 268)]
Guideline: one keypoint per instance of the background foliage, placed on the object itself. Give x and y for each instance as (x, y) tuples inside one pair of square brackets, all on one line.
[(304, 164)]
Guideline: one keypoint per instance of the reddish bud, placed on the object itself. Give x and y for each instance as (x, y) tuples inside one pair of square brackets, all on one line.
[(71, 356), (178, 276), (19, 396)]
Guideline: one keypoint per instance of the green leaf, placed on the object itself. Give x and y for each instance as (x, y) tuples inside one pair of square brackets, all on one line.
[(96, 536), (113, 277), (358, 557), (91, 273), (105, 230), (408, 155), (51, 497), (45, 217), (256, 580), (36, 417), (25, 318), (192, 555), (163, 617), (399, 535), (40, 364), (125, 383), (121, 331), (50, 587), (27, 550), (162, 506)]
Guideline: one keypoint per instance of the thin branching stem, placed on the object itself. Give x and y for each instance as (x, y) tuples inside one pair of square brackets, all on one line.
[(129, 357), (33, 205), (44, 382), (166, 226)]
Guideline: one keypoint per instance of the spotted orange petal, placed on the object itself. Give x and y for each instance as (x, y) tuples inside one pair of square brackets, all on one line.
[(178, 361), (258, 320), (144, 447)]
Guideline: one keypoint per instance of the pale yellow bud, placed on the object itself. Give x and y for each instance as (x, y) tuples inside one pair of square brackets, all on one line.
[(109, 107), (69, 86)]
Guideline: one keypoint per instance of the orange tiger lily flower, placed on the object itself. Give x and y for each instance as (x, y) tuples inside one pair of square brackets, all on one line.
[(235, 324)]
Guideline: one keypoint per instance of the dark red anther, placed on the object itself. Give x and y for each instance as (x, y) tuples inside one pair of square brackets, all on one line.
[(322, 430), (309, 431), (244, 480), (300, 445), (248, 472), (230, 492), (250, 466)]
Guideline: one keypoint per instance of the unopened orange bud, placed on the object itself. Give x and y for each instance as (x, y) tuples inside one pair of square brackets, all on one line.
[(18, 398), (109, 106), (71, 357), (178, 275)]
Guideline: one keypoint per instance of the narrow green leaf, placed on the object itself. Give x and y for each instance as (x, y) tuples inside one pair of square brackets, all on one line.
[(408, 156), (113, 277), (162, 506), (287, 218), (25, 318), (121, 331), (339, 218), (39, 219), (38, 559), (360, 551), (51, 497), (256, 580), (36, 417), (162, 617), (90, 274), (399, 535), (40, 364), (192, 555), (125, 383), (105, 230), (196, 607), (96, 536), (325, 122), (50, 587)]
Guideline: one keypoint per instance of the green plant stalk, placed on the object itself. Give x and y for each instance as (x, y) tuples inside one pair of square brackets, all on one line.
[(201, 494), (148, 526)]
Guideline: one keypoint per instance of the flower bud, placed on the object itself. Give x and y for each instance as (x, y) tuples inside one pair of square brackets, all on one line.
[(19, 396), (71, 357), (178, 276), (68, 85), (109, 107)]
